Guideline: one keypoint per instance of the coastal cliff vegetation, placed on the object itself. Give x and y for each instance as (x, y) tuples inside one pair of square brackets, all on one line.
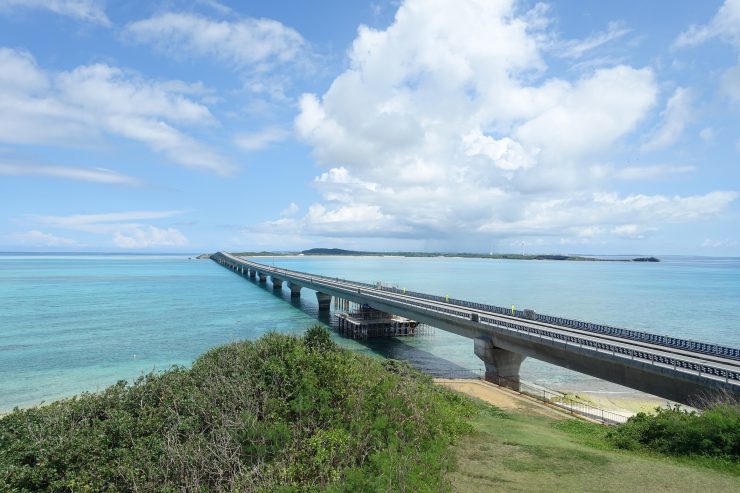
[(282, 413)]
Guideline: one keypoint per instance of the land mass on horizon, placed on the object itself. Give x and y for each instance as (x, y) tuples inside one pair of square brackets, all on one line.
[(506, 256)]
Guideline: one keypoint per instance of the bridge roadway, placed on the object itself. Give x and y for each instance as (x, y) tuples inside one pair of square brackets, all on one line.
[(654, 364)]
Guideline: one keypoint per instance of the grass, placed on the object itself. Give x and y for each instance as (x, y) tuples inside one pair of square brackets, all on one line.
[(525, 452)]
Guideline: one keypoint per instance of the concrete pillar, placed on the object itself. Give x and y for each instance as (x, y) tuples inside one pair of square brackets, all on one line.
[(324, 301), (295, 290), (276, 283), (502, 366), (252, 273), (262, 276)]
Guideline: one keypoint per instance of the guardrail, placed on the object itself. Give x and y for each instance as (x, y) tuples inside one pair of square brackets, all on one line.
[(653, 358), (659, 340), (673, 342)]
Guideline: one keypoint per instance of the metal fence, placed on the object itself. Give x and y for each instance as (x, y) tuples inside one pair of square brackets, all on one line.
[(542, 394)]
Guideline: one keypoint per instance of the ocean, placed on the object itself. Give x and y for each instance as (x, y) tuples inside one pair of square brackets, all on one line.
[(79, 322)]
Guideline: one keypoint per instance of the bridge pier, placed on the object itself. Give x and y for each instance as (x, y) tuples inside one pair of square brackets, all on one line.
[(262, 277), (276, 283), (295, 290), (252, 273), (502, 365), (324, 301)]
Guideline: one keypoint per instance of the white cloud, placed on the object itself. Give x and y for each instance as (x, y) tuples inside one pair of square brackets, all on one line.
[(715, 243), (577, 48), (725, 24), (730, 83), (84, 10), (247, 43), (38, 238), (260, 140), (677, 114), (95, 175), (75, 107), (638, 173), (124, 229), (149, 236), (630, 216), (447, 125), (104, 222), (291, 210), (505, 153), (632, 231)]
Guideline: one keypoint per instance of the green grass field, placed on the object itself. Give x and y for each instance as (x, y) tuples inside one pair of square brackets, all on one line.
[(536, 453)]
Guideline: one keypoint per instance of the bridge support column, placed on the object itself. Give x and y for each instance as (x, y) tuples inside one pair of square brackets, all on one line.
[(262, 276), (502, 366), (252, 273), (324, 301), (295, 290), (276, 283)]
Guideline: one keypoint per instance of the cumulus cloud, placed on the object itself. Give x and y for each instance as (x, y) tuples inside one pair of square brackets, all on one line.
[(95, 175), (84, 10), (75, 107), (448, 123)]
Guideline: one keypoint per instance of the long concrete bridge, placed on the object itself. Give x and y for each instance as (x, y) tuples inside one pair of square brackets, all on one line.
[(676, 369)]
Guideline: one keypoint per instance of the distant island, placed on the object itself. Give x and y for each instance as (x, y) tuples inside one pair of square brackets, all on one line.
[(506, 256)]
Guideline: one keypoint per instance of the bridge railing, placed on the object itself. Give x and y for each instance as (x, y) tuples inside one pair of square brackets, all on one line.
[(652, 358), (660, 340), (676, 363)]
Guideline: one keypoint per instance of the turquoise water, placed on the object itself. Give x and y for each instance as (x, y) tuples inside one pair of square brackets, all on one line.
[(70, 323)]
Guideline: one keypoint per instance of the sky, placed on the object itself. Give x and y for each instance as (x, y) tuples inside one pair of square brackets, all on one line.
[(425, 125)]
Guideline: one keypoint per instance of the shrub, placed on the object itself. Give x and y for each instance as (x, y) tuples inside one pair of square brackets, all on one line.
[(280, 413), (715, 432)]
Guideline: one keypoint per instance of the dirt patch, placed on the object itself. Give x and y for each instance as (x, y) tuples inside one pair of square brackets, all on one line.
[(502, 398)]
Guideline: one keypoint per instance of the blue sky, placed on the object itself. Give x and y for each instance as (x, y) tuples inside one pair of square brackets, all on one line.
[(173, 126)]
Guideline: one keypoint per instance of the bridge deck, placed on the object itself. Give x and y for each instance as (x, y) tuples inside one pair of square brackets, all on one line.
[(716, 367)]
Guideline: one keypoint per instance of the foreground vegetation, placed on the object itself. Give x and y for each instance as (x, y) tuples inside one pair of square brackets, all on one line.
[(280, 414), (714, 433), (289, 413), (526, 451)]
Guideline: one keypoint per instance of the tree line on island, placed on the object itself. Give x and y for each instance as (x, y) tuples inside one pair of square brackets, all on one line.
[(504, 256)]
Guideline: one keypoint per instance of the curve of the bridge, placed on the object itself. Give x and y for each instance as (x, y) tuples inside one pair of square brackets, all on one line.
[(672, 368)]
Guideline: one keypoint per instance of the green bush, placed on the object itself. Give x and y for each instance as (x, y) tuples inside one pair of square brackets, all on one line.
[(281, 413), (715, 432)]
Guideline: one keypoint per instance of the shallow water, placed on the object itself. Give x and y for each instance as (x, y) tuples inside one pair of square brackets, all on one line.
[(70, 323)]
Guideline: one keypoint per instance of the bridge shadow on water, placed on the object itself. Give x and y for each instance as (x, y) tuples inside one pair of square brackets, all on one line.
[(386, 347)]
